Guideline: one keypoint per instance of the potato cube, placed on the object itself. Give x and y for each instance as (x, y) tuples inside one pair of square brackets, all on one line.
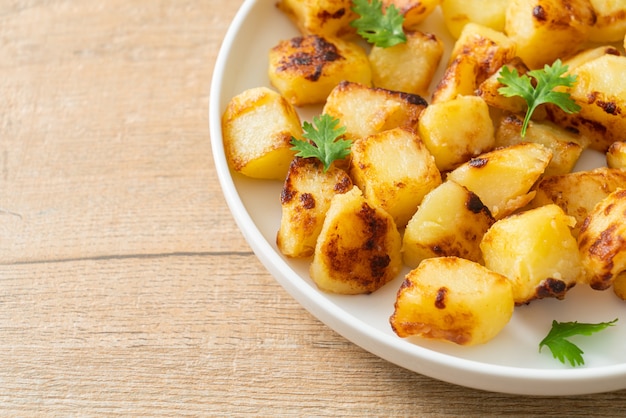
[(610, 25), (590, 54), (414, 11), (364, 110), (327, 18), (450, 221), (305, 199), (452, 299), (305, 69), (616, 155), (488, 91), (358, 249), (395, 171), (458, 13), (456, 130), (503, 178), (602, 241), (536, 251), (257, 127), (408, 67)]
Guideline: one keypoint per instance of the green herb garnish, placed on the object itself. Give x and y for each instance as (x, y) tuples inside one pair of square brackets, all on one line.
[(547, 79), (383, 29), (561, 348), (323, 141)]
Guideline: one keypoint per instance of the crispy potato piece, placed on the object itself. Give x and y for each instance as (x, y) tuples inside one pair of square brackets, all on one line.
[(602, 241), (358, 249), (452, 299), (450, 221), (503, 178), (601, 93), (414, 11), (305, 199), (488, 91), (566, 146), (590, 54), (616, 155), (458, 13), (305, 69), (327, 18), (578, 193), (545, 30), (536, 251), (408, 67), (610, 23), (395, 170), (257, 128), (364, 111), (456, 130)]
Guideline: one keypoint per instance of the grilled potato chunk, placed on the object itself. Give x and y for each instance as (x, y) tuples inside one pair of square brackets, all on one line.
[(305, 69), (610, 25), (458, 13), (257, 128), (545, 30), (488, 91), (408, 67), (503, 178), (414, 11), (453, 299), (456, 130), (536, 251), (602, 241), (578, 193), (450, 221), (395, 170), (327, 18), (600, 92), (616, 155), (364, 111), (566, 146), (358, 249), (305, 199)]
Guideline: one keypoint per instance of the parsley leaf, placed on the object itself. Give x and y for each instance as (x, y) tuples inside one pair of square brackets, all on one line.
[(563, 349), (325, 146), (383, 29), (547, 79)]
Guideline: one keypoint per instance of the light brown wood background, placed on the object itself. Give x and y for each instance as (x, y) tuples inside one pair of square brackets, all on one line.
[(125, 287)]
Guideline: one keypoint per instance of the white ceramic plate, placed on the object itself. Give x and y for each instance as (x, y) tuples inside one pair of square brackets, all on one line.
[(510, 363)]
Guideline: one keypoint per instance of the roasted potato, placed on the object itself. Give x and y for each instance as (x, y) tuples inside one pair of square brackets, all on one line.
[(364, 111), (414, 11), (545, 30), (305, 199), (610, 25), (358, 249), (456, 130), (589, 54), (257, 127), (602, 241), (327, 18), (305, 69), (408, 67), (616, 155), (452, 299), (536, 251), (395, 170), (458, 13), (503, 178), (450, 221), (619, 285)]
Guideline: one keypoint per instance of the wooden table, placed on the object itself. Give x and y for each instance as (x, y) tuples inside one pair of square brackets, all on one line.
[(126, 288)]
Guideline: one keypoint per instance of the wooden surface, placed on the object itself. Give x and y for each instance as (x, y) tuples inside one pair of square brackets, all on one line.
[(125, 287)]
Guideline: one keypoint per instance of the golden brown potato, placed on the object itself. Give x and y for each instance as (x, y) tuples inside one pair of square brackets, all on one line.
[(452, 299), (590, 54), (456, 130), (503, 178), (364, 111), (610, 25), (450, 221), (395, 170), (257, 127), (619, 285), (358, 249), (305, 199), (458, 13), (545, 30), (616, 155), (305, 69), (602, 241), (536, 251), (488, 91), (414, 11), (566, 146), (408, 67), (578, 193), (327, 18)]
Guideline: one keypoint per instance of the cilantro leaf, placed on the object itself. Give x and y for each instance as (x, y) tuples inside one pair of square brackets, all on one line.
[(383, 29), (561, 348), (323, 141), (547, 79)]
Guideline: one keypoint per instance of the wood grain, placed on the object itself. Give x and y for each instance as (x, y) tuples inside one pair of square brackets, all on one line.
[(125, 287)]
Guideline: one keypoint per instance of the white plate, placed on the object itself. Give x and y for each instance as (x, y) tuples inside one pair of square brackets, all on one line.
[(510, 363)]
